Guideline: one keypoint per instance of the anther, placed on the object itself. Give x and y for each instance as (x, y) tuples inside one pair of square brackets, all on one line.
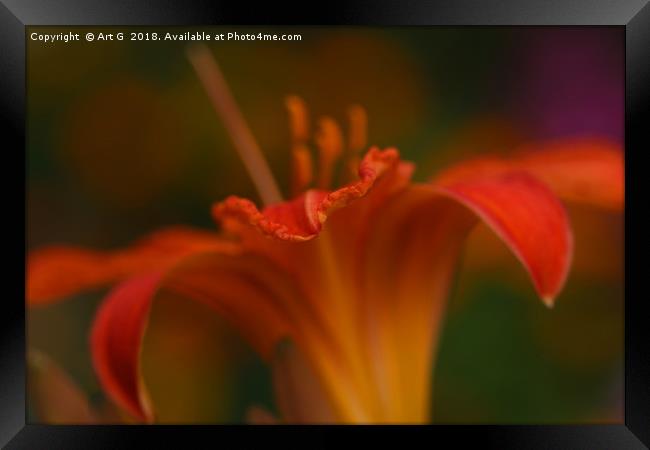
[(357, 138), (298, 119), (301, 160), (329, 140), (358, 120), (301, 168)]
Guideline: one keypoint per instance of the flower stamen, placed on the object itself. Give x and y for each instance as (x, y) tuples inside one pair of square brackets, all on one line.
[(357, 134), (329, 141), (223, 102), (298, 119), (301, 160), (357, 138), (301, 169)]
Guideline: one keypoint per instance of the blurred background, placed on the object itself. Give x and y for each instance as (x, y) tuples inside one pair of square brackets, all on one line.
[(122, 140)]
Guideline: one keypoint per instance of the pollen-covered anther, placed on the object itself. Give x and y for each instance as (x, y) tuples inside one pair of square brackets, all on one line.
[(329, 140)]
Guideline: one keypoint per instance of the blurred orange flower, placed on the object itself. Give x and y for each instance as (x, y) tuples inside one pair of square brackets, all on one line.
[(341, 290)]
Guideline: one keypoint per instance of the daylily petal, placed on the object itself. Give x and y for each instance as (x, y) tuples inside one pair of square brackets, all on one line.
[(586, 171), (410, 257), (582, 170), (530, 220), (256, 296), (406, 265), (57, 272), (302, 218), (299, 393), (116, 340), (268, 304)]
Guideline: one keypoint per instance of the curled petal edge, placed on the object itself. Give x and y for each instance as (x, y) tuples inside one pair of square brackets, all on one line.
[(302, 219)]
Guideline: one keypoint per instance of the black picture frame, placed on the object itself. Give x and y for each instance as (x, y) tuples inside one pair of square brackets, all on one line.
[(15, 15)]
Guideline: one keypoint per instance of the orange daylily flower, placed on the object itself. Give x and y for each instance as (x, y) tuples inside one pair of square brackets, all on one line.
[(342, 290)]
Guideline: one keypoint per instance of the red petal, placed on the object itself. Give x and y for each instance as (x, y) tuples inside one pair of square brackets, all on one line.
[(57, 272), (528, 217), (116, 340)]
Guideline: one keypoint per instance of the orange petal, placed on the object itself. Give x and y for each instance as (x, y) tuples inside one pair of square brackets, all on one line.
[(57, 272), (257, 297), (586, 171), (299, 393), (409, 259), (582, 170), (406, 265), (302, 219)]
